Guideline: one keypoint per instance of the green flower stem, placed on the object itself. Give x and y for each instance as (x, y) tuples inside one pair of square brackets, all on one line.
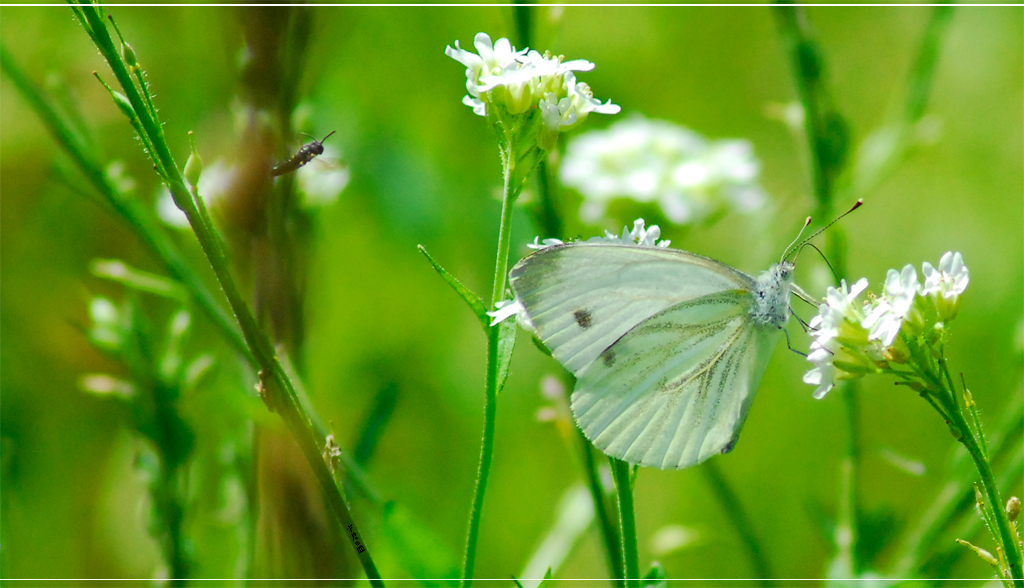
[(973, 442), (280, 394), (509, 193), (627, 520), (612, 546), (1011, 550), (807, 68), (827, 153), (739, 519)]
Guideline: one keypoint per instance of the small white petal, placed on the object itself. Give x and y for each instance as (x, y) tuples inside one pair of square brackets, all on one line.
[(505, 309)]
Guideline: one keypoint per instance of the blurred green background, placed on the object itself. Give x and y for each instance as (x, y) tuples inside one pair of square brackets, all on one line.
[(424, 170)]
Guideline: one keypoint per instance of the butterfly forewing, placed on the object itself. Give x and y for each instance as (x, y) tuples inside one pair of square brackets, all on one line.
[(582, 297), (674, 390)]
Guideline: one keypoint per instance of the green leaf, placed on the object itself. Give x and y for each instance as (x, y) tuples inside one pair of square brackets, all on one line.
[(475, 304), (506, 343), (655, 578)]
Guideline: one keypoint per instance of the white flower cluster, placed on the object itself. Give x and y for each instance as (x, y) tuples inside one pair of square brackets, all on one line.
[(517, 81), (854, 338), (646, 160), (639, 236)]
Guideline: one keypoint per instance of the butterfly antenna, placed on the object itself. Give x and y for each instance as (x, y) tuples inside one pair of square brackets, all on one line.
[(785, 253), (328, 135), (856, 205), (815, 247)]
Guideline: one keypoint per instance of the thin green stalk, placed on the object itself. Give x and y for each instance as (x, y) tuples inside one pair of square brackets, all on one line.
[(612, 546), (548, 222), (849, 470), (280, 393), (826, 140), (627, 520), (739, 519), (1011, 550), (491, 389), (805, 58), (970, 439)]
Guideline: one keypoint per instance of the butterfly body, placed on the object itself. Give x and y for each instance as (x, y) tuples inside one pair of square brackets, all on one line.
[(667, 347)]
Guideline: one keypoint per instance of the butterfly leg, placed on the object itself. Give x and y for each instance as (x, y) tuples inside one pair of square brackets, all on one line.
[(790, 347)]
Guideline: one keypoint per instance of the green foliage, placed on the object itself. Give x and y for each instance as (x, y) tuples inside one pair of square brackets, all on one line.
[(914, 111)]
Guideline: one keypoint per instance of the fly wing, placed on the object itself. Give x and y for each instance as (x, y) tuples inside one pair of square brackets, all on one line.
[(582, 297), (675, 390)]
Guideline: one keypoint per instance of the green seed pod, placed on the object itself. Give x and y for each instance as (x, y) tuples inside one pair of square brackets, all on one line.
[(1013, 508), (128, 54), (194, 165), (119, 99)]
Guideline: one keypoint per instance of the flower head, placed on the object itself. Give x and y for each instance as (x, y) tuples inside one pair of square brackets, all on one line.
[(886, 317), (946, 284), (836, 325), (853, 338), (645, 160), (638, 236), (503, 81)]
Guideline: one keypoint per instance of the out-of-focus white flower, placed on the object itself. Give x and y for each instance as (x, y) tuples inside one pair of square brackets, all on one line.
[(322, 181), (214, 183), (538, 244), (520, 81), (946, 284), (105, 385), (118, 176), (657, 161), (638, 236)]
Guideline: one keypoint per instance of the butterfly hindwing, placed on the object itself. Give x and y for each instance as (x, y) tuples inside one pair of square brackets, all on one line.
[(582, 297), (675, 389)]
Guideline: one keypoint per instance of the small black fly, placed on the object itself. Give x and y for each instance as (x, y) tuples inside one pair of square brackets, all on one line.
[(305, 155)]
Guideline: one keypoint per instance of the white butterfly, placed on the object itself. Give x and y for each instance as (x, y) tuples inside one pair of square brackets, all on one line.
[(668, 347)]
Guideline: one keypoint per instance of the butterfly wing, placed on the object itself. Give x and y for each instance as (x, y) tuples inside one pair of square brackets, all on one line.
[(582, 297), (675, 389)]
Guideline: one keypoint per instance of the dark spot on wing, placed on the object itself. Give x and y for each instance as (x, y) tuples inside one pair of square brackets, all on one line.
[(583, 318), (608, 357), (731, 444)]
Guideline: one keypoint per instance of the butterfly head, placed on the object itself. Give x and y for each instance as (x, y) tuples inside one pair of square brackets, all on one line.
[(771, 295)]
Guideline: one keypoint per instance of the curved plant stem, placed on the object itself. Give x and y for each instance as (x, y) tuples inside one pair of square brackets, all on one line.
[(277, 389), (627, 521), (491, 390)]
